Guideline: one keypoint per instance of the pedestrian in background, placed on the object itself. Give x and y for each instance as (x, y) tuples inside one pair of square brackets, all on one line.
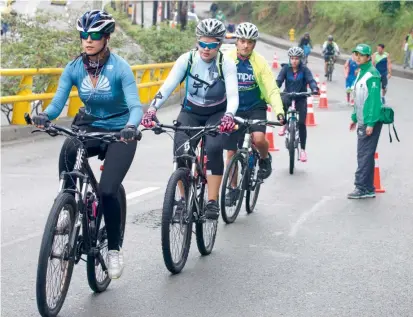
[(408, 60), (366, 115)]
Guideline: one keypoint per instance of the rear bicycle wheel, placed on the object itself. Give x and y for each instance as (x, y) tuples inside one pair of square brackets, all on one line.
[(235, 172), (97, 277), (206, 229), (291, 146), (54, 256), (253, 187), (177, 222)]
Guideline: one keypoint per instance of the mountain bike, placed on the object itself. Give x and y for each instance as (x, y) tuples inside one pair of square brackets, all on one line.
[(75, 226), (242, 169), (185, 199), (330, 68), (292, 137)]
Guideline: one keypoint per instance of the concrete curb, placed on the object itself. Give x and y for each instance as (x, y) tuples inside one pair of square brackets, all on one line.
[(16, 132), (266, 39)]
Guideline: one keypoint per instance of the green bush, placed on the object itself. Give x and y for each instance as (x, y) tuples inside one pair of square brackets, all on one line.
[(160, 44)]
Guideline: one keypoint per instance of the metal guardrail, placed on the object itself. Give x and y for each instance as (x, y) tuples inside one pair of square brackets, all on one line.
[(148, 77)]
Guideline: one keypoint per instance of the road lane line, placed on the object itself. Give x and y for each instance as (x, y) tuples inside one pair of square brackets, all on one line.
[(141, 192), (304, 216), (40, 233)]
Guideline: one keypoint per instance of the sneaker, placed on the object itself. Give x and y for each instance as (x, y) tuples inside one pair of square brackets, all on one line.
[(121, 258), (357, 193), (180, 208), (231, 197), (115, 264), (303, 156), (281, 132), (265, 167), (212, 210)]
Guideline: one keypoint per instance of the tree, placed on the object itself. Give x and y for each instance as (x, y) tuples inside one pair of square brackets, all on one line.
[(390, 8)]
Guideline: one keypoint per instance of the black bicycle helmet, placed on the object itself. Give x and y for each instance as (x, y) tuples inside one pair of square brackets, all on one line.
[(96, 21)]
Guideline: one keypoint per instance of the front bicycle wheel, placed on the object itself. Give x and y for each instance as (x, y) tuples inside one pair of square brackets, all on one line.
[(232, 190), (177, 221), (291, 146), (55, 262), (97, 276), (206, 229), (254, 186)]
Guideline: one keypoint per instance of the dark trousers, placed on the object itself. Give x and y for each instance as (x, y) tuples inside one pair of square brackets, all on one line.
[(118, 159), (366, 148)]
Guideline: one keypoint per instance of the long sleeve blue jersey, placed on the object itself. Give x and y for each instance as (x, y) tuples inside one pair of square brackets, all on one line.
[(115, 93)]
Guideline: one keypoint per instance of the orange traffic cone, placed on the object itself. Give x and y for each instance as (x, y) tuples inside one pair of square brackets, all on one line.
[(310, 120), (269, 134), (275, 62), (323, 97), (377, 183)]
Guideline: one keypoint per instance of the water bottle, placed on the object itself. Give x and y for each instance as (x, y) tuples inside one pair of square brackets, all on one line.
[(251, 160)]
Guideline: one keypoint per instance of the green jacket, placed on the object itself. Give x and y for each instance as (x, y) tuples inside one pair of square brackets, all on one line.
[(367, 100), (265, 79)]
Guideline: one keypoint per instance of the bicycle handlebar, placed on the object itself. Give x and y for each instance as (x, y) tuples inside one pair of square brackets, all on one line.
[(297, 94), (54, 130), (256, 122)]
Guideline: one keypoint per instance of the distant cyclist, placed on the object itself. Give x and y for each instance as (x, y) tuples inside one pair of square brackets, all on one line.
[(257, 87), (306, 45), (211, 98), (330, 49), (350, 73), (381, 60), (107, 87), (296, 77)]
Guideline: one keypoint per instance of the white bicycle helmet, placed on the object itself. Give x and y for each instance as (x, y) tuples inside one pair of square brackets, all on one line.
[(96, 21), (296, 52), (247, 31), (211, 28)]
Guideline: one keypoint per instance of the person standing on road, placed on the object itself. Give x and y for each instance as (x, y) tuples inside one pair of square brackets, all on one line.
[(350, 72), (366, 115), (296, 77), (409, 52), (107, 87), (381, 60), (211, 98)]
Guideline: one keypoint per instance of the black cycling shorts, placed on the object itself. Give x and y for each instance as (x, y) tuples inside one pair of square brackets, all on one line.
[(327, 57), (235, 139), (384, 81)]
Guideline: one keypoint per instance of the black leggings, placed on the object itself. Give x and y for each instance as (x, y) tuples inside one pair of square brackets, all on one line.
[(118, 159), (301, 107), (213, 145)]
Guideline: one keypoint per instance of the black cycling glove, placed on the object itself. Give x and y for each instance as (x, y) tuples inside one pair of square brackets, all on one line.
[(41, 119), (128, 132)]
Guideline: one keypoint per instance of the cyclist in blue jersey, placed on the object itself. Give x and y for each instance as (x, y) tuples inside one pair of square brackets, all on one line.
[(350, 73), (211, 98), (108, 90), (382, 62)]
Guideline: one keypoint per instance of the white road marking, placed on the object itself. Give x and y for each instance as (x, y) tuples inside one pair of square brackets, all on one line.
[(304, 216), (141, 192), (40, 233)]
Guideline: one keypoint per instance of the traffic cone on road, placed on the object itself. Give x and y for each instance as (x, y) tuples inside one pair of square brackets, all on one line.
[(275, 62), (323, 97), (310, 120), (269, 134), (377, 183)]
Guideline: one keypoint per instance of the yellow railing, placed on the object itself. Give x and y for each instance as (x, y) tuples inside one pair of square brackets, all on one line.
[(148, 78)]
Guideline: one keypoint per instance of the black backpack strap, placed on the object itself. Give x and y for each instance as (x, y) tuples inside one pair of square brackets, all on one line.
[(395, 133), (188, 69)]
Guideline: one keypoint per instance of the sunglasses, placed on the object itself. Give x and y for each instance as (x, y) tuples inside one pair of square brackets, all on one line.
[(211, 46), (95, 36)]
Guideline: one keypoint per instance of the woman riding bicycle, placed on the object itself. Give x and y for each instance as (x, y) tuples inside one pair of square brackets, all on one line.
[(108, 90), (296, 77), (211, 98)]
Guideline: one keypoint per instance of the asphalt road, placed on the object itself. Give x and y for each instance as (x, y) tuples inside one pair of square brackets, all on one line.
[(306, 251)]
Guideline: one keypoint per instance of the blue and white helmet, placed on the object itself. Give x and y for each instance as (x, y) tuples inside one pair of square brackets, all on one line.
[(96, 21)]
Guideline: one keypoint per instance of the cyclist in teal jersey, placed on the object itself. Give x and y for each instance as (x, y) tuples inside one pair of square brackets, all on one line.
[(107, 88)]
